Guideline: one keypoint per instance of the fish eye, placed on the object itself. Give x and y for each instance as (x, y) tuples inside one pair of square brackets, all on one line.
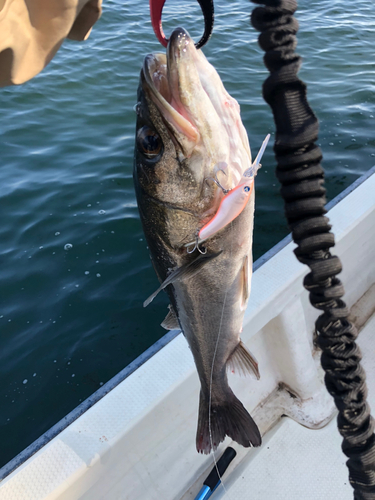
[(149, 142), (246, 189)]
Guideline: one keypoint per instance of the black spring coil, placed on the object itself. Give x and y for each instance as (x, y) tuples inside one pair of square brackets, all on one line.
[(302, 180)]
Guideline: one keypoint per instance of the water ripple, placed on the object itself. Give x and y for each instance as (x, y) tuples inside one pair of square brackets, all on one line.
[(66, 143)]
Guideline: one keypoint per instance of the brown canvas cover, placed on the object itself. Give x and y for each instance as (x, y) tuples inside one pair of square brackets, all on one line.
[(31, 32)]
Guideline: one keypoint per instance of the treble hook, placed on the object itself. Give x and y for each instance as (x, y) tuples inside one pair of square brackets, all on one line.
[(216, 180), (207, 6), (202, 250)]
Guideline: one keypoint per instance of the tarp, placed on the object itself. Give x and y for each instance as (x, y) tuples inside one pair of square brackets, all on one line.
[(31, 32)]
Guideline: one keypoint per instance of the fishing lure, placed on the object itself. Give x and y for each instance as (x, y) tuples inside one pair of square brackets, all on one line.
[(233, 203), (230, 207)]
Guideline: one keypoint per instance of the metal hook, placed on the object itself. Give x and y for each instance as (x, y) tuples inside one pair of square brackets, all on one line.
[(216, 180), (219, 169), (202, 250), (190, 244), (207, 6)]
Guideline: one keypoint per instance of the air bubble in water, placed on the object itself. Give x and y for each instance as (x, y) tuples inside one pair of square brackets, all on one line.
[(57, 233), (101, 212), (68, 246)]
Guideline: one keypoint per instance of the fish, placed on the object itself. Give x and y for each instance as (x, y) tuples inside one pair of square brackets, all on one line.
[(188, 132)]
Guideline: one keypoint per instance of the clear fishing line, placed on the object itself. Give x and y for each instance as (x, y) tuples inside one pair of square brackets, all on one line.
[(210, 398), (211, 375)]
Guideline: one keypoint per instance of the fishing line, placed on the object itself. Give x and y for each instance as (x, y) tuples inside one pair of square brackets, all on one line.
[(210, 395), (211, 375)]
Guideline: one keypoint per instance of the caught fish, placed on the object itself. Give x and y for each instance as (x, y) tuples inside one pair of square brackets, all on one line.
[(189, 130)]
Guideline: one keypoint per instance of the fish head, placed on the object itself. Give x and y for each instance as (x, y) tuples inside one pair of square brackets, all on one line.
[(188, 129)]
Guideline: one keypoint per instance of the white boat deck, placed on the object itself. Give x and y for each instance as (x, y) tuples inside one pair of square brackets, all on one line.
[(138, 441), (295, 462)]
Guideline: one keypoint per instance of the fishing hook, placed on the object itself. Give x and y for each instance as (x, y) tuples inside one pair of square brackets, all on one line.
[(207, 6), (196, 246), (216, 180)]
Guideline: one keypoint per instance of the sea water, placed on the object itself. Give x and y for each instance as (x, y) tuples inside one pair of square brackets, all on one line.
[(74, 264)]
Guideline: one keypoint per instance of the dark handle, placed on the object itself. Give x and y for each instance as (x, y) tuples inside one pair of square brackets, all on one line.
[(222, 464)]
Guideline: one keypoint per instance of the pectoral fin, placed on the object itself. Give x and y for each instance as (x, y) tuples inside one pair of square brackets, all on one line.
[(171, 322), (184, 272), (242, 360)]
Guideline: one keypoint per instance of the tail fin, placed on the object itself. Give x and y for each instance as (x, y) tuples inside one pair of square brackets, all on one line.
[(227, 418)]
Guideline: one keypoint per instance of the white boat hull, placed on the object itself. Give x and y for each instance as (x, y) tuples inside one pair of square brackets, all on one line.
[(138, 441)]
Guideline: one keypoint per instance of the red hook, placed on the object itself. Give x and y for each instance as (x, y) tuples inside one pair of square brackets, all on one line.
[(207, 6), (156, 8)]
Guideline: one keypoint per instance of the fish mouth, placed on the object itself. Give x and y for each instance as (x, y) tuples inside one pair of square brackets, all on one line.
[(162, 74), (200, 115)]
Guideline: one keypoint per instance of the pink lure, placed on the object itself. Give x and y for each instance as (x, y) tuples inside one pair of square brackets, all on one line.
[(235, 200), (230, 207)]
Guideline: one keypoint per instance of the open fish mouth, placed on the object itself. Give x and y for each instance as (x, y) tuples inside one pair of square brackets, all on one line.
[(155, 71), (164, 75), (200, 115)]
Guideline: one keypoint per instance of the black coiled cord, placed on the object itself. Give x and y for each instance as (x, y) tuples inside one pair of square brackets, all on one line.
[(302, 180)]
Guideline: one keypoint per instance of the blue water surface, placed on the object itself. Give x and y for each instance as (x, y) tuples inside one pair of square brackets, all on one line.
[(74, 264)]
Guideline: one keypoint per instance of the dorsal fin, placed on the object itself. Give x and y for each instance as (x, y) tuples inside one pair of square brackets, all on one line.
[(242, 360)]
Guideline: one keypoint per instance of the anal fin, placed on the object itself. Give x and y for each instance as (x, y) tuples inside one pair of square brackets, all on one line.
[(170, 322), (242, 360)]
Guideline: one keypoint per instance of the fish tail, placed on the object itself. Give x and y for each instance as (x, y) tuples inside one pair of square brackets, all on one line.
[(227, 418)]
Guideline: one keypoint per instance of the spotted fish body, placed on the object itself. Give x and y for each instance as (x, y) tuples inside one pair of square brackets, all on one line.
[(187, 124)]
